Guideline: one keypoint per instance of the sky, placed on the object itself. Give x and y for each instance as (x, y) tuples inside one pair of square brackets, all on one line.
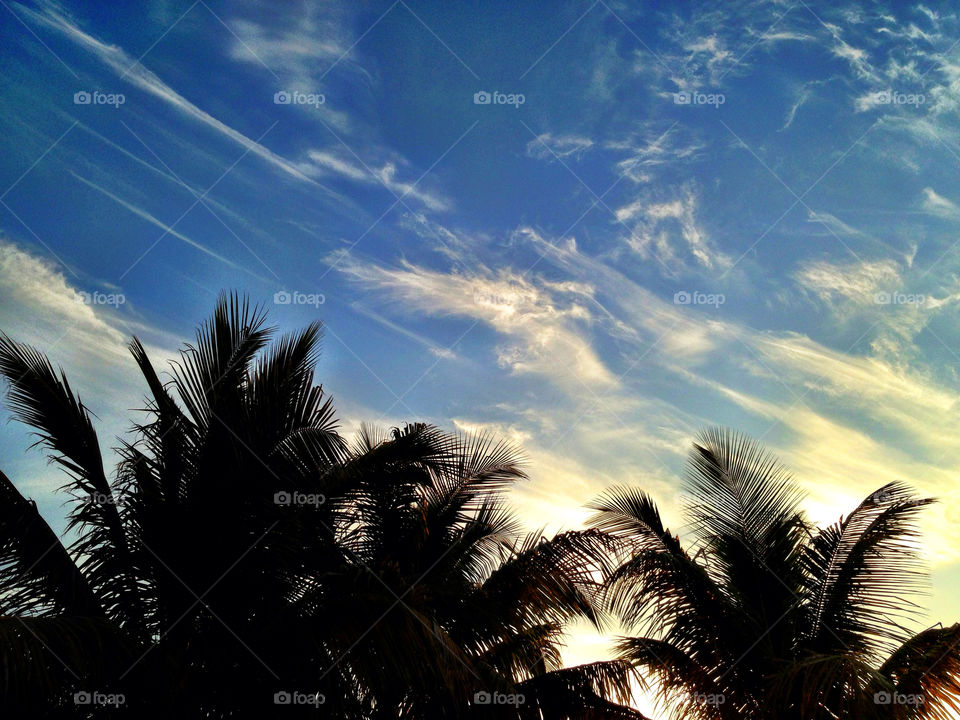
[(593, 228)]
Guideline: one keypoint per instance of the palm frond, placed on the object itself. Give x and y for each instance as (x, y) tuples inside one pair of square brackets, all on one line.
[(924, 674), (737, 490), (582, 692), (171, 439), (283, 400), (212, 370), (658, 585), (552, 579), (37, 574), (44, 659), (681, 679), (861, 574), (42, 399)]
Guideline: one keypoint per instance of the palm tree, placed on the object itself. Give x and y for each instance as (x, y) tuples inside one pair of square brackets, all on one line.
[(448, 564), (245, 554), (762, 615)]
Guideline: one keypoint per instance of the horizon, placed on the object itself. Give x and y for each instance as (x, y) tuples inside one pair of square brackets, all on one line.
[(592, 231)]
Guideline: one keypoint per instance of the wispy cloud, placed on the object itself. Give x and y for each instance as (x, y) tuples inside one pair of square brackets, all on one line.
[(134, 72), (540, 321), (297, 45), (940, 206), (547, 146), (325, 162), (42, 307), (857, 282), (655, 226), (167, 229)]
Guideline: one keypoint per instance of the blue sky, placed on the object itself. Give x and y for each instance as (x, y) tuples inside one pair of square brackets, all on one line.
[(676, 216)]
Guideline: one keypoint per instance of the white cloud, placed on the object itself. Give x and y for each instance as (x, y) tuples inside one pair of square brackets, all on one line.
[(857, 282), (434, 349), (651, 151), (297, 52), (136, 73), (545, 327), (299, 46), (711, 50), (802, 97), (855, 56), (548, 147), (939, 205), (845, 423), (325, 162), (654, 232), (41, 308)]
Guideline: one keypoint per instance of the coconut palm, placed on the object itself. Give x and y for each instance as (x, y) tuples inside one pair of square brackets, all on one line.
[(448, 563), (245, 554), (761, 615)]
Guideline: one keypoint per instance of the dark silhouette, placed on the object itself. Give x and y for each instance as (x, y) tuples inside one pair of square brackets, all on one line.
[(248, 561), (766, 616), (245, 557)]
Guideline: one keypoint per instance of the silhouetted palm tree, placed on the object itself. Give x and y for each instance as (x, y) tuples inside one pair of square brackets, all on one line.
[(764, 616), (245, 554), (449, 566)]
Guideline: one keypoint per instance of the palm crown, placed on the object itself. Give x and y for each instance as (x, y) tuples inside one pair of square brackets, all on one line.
[(246, 554), (762, 614)]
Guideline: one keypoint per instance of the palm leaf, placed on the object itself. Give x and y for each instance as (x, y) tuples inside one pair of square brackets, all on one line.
[(861, 574), (927, 666), (37, 574)]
